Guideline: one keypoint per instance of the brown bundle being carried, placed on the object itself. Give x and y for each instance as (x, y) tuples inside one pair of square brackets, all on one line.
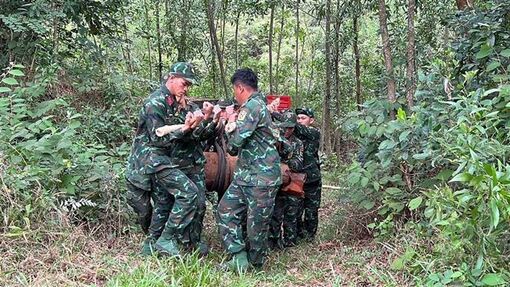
[(292, 182)]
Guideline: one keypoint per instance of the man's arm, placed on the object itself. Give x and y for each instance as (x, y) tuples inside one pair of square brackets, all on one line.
[(246, 123), (296, 158), (309, 133), (155, 120)]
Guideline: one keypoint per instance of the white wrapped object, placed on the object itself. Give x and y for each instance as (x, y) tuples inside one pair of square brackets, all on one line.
[(164, 130)]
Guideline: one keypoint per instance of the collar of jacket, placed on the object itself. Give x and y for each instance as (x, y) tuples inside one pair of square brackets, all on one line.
[(254, 96)]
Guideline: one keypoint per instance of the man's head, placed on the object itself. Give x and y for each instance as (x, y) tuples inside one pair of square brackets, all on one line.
[(245, 83), (305, 116), (178, 80), (288, 123)]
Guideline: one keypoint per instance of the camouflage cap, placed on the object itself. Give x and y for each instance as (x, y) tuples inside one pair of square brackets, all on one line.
[(225, 103), (289, 120), (185, 70), (305, 111)]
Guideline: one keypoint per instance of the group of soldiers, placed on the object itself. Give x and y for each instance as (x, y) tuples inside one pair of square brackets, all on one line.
[(166, 178)]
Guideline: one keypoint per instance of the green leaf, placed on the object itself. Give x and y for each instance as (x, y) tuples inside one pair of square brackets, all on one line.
[(415, 203), (10, 81), (485, 51), (403, 136), (493, 65), (505, 53), (387, 145), (16, 73), (462, 177), (401, 114), (364, 182), (398, 264), (491, 91), (493, 279), (354, 178), (367, 204), (494, 213), (19, 66), (5, 90), (393, 190)]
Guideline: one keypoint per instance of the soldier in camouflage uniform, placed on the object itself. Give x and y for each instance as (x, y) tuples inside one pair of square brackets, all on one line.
[(287, 206), (151, 173), (310, 137), (187, 153), (250, 196)]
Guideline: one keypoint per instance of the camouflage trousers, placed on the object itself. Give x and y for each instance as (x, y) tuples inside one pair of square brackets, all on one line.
[(140, 200), (175, 198), (284, 221), (308, 224), (197, 176), (250, 205)]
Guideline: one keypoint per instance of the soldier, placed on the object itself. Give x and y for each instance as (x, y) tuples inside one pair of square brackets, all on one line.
[(151, 173), (287, 206), (310, 137), (250, 196), (187, 153)]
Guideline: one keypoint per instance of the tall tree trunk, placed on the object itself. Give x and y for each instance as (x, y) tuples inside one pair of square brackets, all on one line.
[(216, 46), (214, 68), (271, 30), (464, 4), (280, 39), (411, 69), (359, 100), (158, 30), (298, 97), (383, 22), (223, 21), (126, 42), (336, 60), (326, 138), (148, 29), (236, 43), (184, 18)]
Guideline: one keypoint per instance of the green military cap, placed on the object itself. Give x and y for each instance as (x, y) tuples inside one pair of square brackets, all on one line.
[(305, 111), (185, 70), (225, 103), (289, 120)]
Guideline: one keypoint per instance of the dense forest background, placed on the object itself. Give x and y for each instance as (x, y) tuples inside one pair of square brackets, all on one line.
[(412, 98)]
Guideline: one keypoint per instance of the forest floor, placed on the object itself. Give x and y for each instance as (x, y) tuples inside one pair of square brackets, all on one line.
[(343, 254)]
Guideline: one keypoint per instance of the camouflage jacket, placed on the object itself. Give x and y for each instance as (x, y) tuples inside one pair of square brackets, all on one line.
[(254, 139), (295, 158), (148, 151), (188, 151), (310, 137)]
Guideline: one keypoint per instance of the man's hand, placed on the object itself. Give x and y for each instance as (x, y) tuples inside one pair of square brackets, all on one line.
[(188, 122), (207, 109), (199, 117), (232, 118), (273, 106)]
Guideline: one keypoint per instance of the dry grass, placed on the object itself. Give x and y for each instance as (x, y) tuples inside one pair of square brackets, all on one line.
[(343, 255)]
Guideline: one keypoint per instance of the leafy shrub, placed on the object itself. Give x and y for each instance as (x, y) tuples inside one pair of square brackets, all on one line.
[(442, 166), (45, 168)]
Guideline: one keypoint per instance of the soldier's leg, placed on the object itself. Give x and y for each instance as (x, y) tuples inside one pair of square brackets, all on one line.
[(260, 208), (195, 230), (290, 220), (232, 210), (185, 193), (275, 233), (163, 203), (300, 224), (312, 204), (140, 201)]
